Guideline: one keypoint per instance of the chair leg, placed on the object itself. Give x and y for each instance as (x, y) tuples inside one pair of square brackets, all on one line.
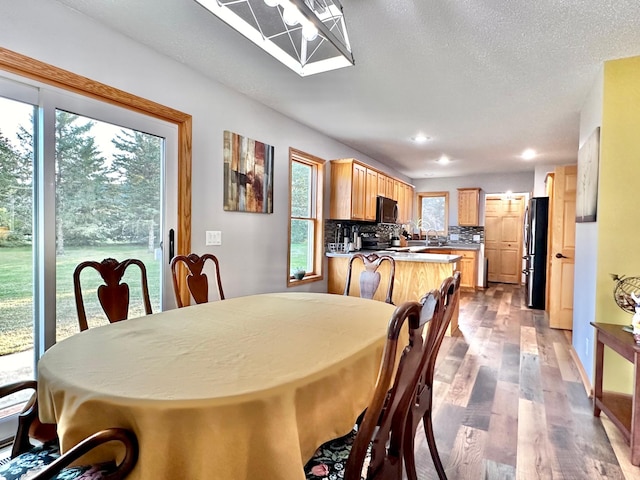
[(431, 441), (410, 455)]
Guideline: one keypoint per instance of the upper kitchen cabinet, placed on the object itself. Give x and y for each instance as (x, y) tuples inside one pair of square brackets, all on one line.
[(406, 210), (403, 194), (468, 207), (348, 199), (355, 187), (370, 194)]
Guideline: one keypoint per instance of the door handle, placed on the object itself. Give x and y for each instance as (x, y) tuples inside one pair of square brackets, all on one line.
[(559, 255), (172, 246)]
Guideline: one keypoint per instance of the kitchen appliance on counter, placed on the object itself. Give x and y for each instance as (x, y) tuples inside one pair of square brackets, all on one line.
[(536, 224), (386, 210)]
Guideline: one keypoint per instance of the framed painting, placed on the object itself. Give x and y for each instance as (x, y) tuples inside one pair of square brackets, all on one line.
[(587, 187), (248, 174)]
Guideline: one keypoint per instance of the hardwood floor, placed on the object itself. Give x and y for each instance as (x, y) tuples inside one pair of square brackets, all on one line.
[(509, 402)]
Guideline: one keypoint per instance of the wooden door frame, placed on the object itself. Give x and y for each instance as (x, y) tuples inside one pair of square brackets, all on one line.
[(27, 67)]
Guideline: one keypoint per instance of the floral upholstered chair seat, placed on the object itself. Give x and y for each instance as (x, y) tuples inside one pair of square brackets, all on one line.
[(27, 464), (329, 461)]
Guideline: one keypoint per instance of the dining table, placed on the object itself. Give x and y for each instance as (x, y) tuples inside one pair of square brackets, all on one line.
[(243, 388)]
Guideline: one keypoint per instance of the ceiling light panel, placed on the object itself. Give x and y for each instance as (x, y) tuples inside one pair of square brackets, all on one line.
[(308, 36)]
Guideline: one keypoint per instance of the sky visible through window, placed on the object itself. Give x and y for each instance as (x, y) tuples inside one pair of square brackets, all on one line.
[(14, 114)]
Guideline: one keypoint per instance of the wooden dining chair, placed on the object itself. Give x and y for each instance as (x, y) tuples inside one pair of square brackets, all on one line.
[(43, 461), (370, 276), (375, 449), (197, 282), (113, 295), (422, 407)]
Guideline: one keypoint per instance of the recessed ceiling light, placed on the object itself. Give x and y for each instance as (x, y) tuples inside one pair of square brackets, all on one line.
[(443, 160), (528, 154), (420, 138)]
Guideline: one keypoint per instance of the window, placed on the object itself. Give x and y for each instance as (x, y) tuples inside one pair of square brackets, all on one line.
[(434, 211), (305, 214)]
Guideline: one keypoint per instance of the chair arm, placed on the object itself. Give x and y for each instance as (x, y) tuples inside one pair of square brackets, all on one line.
[(26, 418), (124, 436)]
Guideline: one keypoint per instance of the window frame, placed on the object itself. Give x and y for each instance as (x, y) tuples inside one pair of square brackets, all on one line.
[(445, 195), (317, 201)]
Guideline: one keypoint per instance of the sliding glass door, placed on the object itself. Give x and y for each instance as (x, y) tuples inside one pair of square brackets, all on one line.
[(79, 180)]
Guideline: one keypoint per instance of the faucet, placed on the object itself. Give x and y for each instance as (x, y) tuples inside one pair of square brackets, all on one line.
[(428, 243)]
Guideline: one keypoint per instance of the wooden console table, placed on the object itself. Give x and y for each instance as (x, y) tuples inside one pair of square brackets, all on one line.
[(623, 410)]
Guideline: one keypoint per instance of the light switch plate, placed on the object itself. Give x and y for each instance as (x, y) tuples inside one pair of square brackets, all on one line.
[(214, 237), (454, 237), (476, 238)]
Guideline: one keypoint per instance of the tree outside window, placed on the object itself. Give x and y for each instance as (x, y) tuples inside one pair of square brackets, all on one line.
[(434, 211)]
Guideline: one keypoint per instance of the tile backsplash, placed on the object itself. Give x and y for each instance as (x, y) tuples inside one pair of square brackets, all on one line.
[(465, 235)]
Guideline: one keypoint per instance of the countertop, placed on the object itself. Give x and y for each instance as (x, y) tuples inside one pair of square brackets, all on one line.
[(447, 246), (403, 256)]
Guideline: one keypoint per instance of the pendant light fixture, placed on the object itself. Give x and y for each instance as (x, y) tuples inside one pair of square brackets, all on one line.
[(308, 36)]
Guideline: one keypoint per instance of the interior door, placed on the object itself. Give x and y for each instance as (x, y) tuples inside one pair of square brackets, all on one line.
[(504, 219), (562, 236)]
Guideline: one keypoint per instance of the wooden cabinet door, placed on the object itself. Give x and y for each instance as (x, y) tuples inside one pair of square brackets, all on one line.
[(468, 268), (468, 206), (371, 193), (401, 205), (408, 203), (382, 185), (389, 187), (358, 191)]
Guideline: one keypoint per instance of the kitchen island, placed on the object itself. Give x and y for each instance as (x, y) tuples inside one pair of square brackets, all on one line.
[(416, 274)]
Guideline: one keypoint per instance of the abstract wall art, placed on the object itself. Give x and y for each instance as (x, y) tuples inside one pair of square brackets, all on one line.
[(248, 174), (587, 187)]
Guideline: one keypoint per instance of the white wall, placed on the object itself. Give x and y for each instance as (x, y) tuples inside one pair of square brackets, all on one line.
[(586, 254), (253, 255), (490, 183)]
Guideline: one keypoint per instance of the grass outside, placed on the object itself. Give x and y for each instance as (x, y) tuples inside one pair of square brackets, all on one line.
[(299, 255), (16, 293)]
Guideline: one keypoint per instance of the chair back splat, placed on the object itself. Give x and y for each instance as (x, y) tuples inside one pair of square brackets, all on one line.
[(383, 430), (422, 408), (370, 276), (113, 295), (197, 282)]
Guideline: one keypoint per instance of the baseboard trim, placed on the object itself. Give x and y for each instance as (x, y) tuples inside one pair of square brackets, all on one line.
[(583, 373)]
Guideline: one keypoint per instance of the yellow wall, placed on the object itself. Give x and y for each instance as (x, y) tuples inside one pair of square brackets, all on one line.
[(618, 212)]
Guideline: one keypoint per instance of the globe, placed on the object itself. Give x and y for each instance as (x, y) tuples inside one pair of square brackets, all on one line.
[(623, 289)]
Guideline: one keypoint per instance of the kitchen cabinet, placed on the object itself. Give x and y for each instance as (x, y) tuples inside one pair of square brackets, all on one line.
[(398, 190), (412, 280), (348, 184), (382, 184), (407, 205), (370, 195), (355, 187), (468, 207), (467, 265), (468, 268)]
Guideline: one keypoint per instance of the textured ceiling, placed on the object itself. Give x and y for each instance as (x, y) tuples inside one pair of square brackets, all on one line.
[(484, 79)]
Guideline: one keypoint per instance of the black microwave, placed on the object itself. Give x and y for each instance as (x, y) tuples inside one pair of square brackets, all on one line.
[(386, 210)]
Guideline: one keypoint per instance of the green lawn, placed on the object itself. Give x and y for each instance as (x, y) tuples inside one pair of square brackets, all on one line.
[(298, 256), (16, 291)]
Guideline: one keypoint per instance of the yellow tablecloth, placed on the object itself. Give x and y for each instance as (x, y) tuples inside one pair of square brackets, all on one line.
[(245, 388)]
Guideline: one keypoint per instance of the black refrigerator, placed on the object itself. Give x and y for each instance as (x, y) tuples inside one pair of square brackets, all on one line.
[(536, 225)]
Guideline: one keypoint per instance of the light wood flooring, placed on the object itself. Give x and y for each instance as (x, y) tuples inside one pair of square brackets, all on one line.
[(509, 402)]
